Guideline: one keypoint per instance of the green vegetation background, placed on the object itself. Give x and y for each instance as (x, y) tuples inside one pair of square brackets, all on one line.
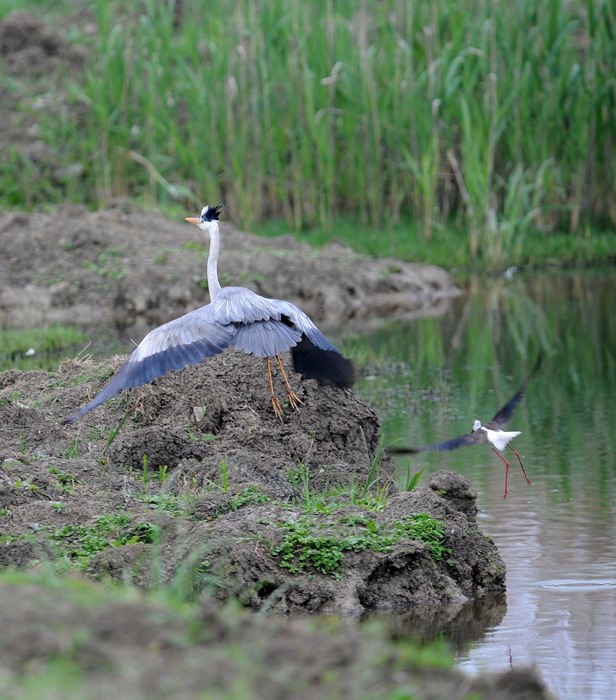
[(435, 131)]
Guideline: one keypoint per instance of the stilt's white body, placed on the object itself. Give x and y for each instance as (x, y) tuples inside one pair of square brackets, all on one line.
[(499, 438)]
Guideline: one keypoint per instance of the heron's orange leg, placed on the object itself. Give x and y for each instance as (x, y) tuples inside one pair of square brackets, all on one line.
[(294, 399), (528, 481), (506, 470), (275, 401)]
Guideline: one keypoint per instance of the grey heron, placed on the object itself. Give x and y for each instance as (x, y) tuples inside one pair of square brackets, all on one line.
[(236, 318), (490, 433)]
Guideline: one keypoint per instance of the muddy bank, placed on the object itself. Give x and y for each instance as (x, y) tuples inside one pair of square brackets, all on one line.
[(128, 268), (132, 647), (303, 515)]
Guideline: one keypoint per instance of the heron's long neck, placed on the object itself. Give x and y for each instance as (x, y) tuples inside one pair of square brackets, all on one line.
[(212, 262)]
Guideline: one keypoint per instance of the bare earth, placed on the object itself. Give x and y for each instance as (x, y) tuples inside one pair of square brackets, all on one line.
[(125, 267)]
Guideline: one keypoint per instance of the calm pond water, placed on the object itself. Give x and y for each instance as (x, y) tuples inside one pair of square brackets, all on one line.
[(432, 377)]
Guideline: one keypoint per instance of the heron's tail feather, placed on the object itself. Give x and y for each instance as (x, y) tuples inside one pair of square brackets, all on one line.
[(322, 365)]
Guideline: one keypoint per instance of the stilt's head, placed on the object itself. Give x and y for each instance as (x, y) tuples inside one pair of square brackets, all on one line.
[(476, 425), (209, 217)]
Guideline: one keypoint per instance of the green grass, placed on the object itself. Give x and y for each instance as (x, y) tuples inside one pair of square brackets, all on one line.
[(50, 346), (312, 544), (77, 544), (449, 248), (481, 122)]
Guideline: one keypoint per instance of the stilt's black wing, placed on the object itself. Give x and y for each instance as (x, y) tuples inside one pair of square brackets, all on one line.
[(504, 415), (477, 437)]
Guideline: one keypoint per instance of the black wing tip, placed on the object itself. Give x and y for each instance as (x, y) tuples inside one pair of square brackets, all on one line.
[(404, 450), (326, 366), (211, 213), (537, 365)]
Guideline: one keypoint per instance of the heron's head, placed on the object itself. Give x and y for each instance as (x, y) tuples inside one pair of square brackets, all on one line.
[(476, 425), (208, 215)]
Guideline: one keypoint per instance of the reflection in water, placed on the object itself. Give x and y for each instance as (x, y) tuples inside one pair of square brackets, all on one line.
[(557, 537), (461, 626)]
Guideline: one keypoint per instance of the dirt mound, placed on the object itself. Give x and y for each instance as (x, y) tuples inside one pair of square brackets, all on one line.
[(125, 267), (133, 647), (202, 481), (29, 46)]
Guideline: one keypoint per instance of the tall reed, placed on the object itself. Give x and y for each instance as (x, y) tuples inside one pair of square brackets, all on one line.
[(496, 117)]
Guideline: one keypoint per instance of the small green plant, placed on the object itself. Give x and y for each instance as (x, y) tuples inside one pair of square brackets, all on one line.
[(195, 247), (194, 434), (223, 468), (163, 473), (167, 502), (408, 483), (113, 433), (79, 543), (249, 496), (144, 471), (66, 480), (320, 545), (73, 449), (108, 264), (161, 256)]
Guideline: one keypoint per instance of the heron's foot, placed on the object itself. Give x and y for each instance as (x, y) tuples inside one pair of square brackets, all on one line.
[(294, 400), (278, 408)]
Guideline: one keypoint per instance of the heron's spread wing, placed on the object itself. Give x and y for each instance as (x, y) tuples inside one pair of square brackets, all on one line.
[(504, 414), (185, 341)]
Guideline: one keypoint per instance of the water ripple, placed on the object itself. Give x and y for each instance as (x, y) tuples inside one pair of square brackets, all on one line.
[(577, 585)]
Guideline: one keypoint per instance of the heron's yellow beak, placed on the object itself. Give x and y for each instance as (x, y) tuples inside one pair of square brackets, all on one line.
[(193, 220)]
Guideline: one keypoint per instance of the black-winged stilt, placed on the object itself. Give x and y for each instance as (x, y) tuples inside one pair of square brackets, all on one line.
[(491, 432)]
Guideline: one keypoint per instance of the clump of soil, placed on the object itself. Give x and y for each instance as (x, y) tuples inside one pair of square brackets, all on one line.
[(29, 46), (125, 267)]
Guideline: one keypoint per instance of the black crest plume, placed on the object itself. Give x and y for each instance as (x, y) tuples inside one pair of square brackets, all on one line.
[(211, 213)]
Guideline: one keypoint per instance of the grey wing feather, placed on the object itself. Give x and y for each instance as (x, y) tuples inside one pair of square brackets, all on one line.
[(184, 341), (266, 338), (241, 305), (503, 416)]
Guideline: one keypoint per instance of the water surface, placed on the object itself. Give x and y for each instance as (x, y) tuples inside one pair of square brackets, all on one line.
[(432, 377)]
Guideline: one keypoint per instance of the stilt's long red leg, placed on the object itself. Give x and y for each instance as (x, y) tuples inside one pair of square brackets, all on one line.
[(506, 470), (294, 399), (275, 401), (528, 481)]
